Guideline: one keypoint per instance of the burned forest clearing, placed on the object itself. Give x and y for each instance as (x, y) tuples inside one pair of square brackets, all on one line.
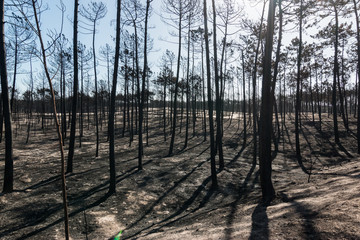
[(172, 198), (180, 119)]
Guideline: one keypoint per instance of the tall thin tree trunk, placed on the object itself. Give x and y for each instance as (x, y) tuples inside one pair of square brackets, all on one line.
[(265, 127), (126, 90), (276, 70), (254, 106), (75, 90), (244, 98), (15, 70), (203, 87), (298, 80), (210, 103), (112, 187), (176, 84), (96, 93), (142, 99), (31, 100), (9, 165), (217, 91), (187, 86), (335, 72)]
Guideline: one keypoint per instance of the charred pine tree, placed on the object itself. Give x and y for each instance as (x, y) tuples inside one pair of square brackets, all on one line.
[(298, 81), (75, 90), (266, 114), (142, 99), (35, 8), (358, 70), (9, 165), (210, 102), (94, 12), (218, 103), (112, 187)]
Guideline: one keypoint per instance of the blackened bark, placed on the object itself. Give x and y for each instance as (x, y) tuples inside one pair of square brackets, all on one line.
[(298, 81), (335, 71), (75, 90), (9, 166), (173, 130), (218, 97), (244, 98), (254, 104), (210, 102), (142, 100), (266, 114), (112, 187), (358, 72)]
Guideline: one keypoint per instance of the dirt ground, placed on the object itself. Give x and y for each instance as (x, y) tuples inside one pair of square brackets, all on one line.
[(172, 197)]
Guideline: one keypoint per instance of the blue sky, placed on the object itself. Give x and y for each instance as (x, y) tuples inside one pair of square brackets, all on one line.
[(51, 20)]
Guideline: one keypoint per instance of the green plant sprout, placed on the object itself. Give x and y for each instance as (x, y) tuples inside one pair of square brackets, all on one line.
[(117, 237)]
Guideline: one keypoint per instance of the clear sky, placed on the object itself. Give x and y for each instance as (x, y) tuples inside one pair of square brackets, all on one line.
[(159, 31)]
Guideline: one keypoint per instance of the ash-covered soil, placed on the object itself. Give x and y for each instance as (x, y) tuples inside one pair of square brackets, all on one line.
[(171, 198)]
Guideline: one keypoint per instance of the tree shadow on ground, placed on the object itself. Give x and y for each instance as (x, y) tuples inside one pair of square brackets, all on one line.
[(185, 205), (306, 214), (241, 194), (32, 217), (260, 223)]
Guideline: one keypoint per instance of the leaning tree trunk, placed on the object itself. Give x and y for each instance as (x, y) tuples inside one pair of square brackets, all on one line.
[(63, 178)]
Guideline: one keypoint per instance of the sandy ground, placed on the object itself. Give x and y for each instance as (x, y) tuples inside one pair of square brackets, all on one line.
[(172, 197)]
